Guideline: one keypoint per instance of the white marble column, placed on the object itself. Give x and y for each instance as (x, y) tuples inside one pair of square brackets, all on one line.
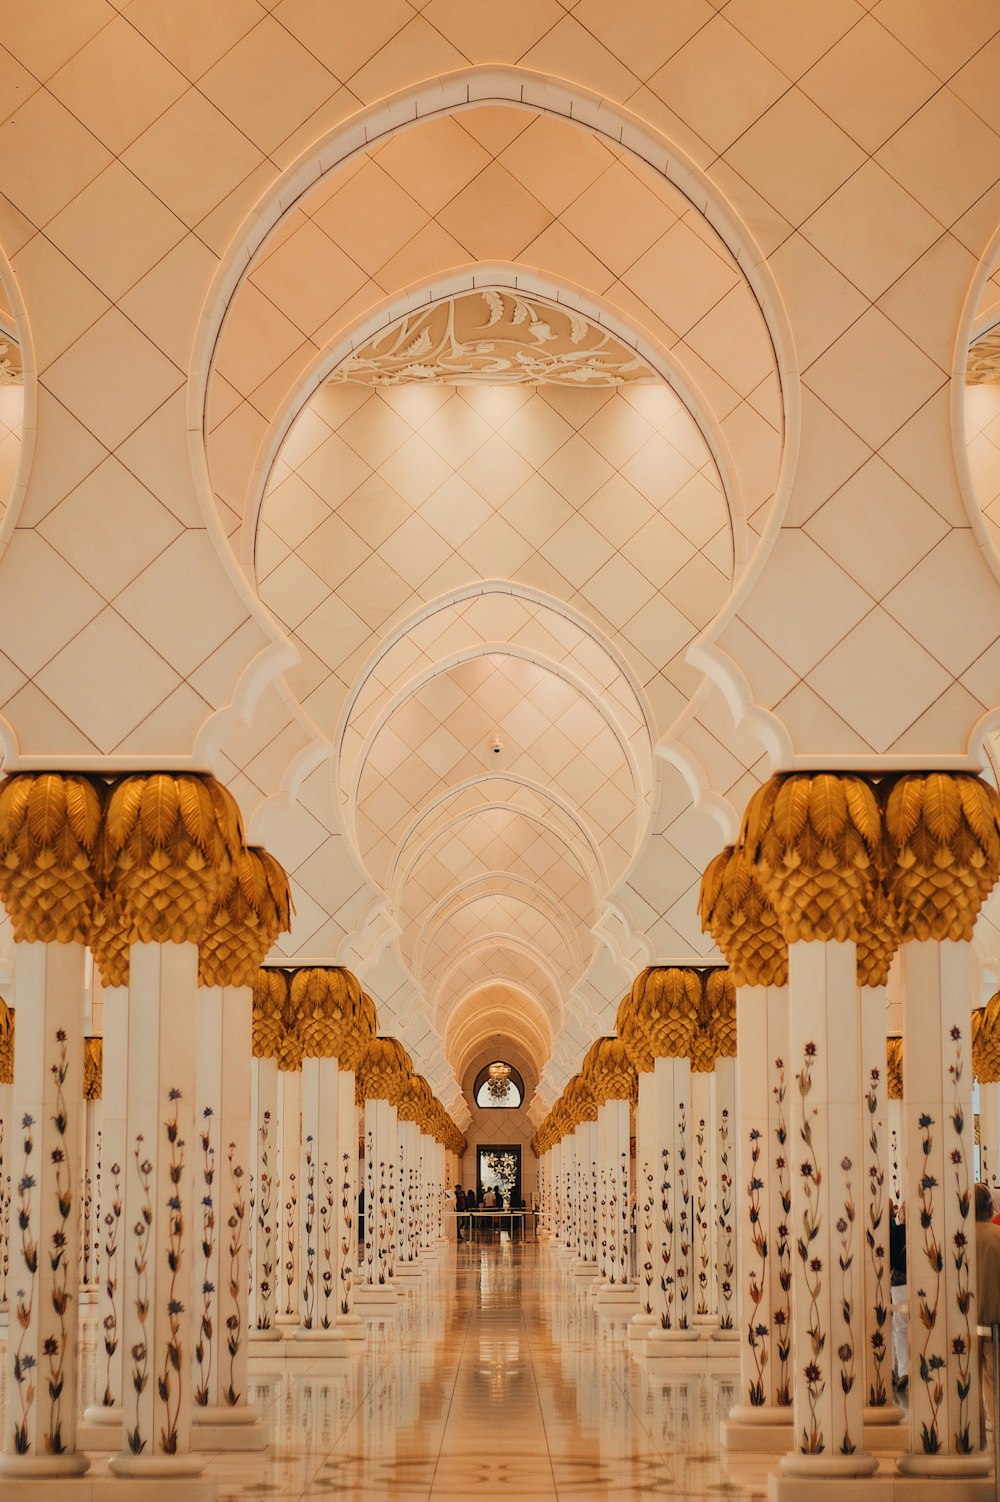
[(617, 1292), (408, 1263), (874, 1212), (702, 1200), (40, 1432), (160, 1230), (940, 1214), (289, 1170), (222, 1417), (826, 1152), (567, 1249), (107, 1407), (724, 1141), (319, 1192), (761, 1418), (377, 1289), (647, 1193), (348, 1322), (266, 1228), (673, 1240)]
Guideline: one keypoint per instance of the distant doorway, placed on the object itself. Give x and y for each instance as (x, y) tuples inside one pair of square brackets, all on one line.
[(499, 1168)]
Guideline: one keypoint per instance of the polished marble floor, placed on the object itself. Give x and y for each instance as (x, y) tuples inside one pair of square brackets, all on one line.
[(495, 1376)]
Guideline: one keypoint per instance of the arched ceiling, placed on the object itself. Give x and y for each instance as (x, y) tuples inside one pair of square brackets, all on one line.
[(492, 588)]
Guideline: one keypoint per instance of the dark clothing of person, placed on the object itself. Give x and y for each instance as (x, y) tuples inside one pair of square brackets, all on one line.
[(897, 1251)]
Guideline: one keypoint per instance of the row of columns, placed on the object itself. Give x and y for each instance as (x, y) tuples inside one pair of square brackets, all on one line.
[(834, 876), (151, 874)]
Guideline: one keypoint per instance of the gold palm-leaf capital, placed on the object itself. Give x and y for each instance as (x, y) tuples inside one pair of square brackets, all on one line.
[(169, 844), (942, 856), (49, 855)]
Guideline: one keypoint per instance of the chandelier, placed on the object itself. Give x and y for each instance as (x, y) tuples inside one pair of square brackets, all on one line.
[(498, 1083)]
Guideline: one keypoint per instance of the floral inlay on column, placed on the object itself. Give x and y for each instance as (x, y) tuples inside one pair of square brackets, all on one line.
[(813, 1441), (171, 1374), (112, 1230), (878, 1394), (846, 1353), (757, 1330), (724, 1221), (347, 1221), (327, 1217), (781, 1311), (141, 1232), (235, 1225), (265, 1229), (54, 1347), (24, 1362), (648, 1190), (308, 1272), (701, 1216), (204, 1346), (963, 1345), (682, 1282)]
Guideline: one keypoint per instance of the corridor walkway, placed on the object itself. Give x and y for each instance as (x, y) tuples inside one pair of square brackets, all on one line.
[(497, 1379)]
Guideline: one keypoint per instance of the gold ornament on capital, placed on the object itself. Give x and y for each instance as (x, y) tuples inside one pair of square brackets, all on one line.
[(327, 1002), (254, 908), (50, 827), (169, 843), (738, 913), (814, 839), (943, 851)]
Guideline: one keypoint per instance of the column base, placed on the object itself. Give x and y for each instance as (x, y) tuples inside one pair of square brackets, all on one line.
[(937, 1468), (263, 1337), (307, 1345), (810, 1469), (409, 1270), (351, 1326), (100, 1428), (374, 1299), (37, 1469), (757, 1430), (617, 1302), (219, 1427), (583, 1269), (663, 1344), (162, 1468), (727, 1335), (886, 1430), (642, 1324), (154, 1478)]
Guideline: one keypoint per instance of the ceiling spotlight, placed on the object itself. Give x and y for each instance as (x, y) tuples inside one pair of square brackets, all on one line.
[(497, 745)]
